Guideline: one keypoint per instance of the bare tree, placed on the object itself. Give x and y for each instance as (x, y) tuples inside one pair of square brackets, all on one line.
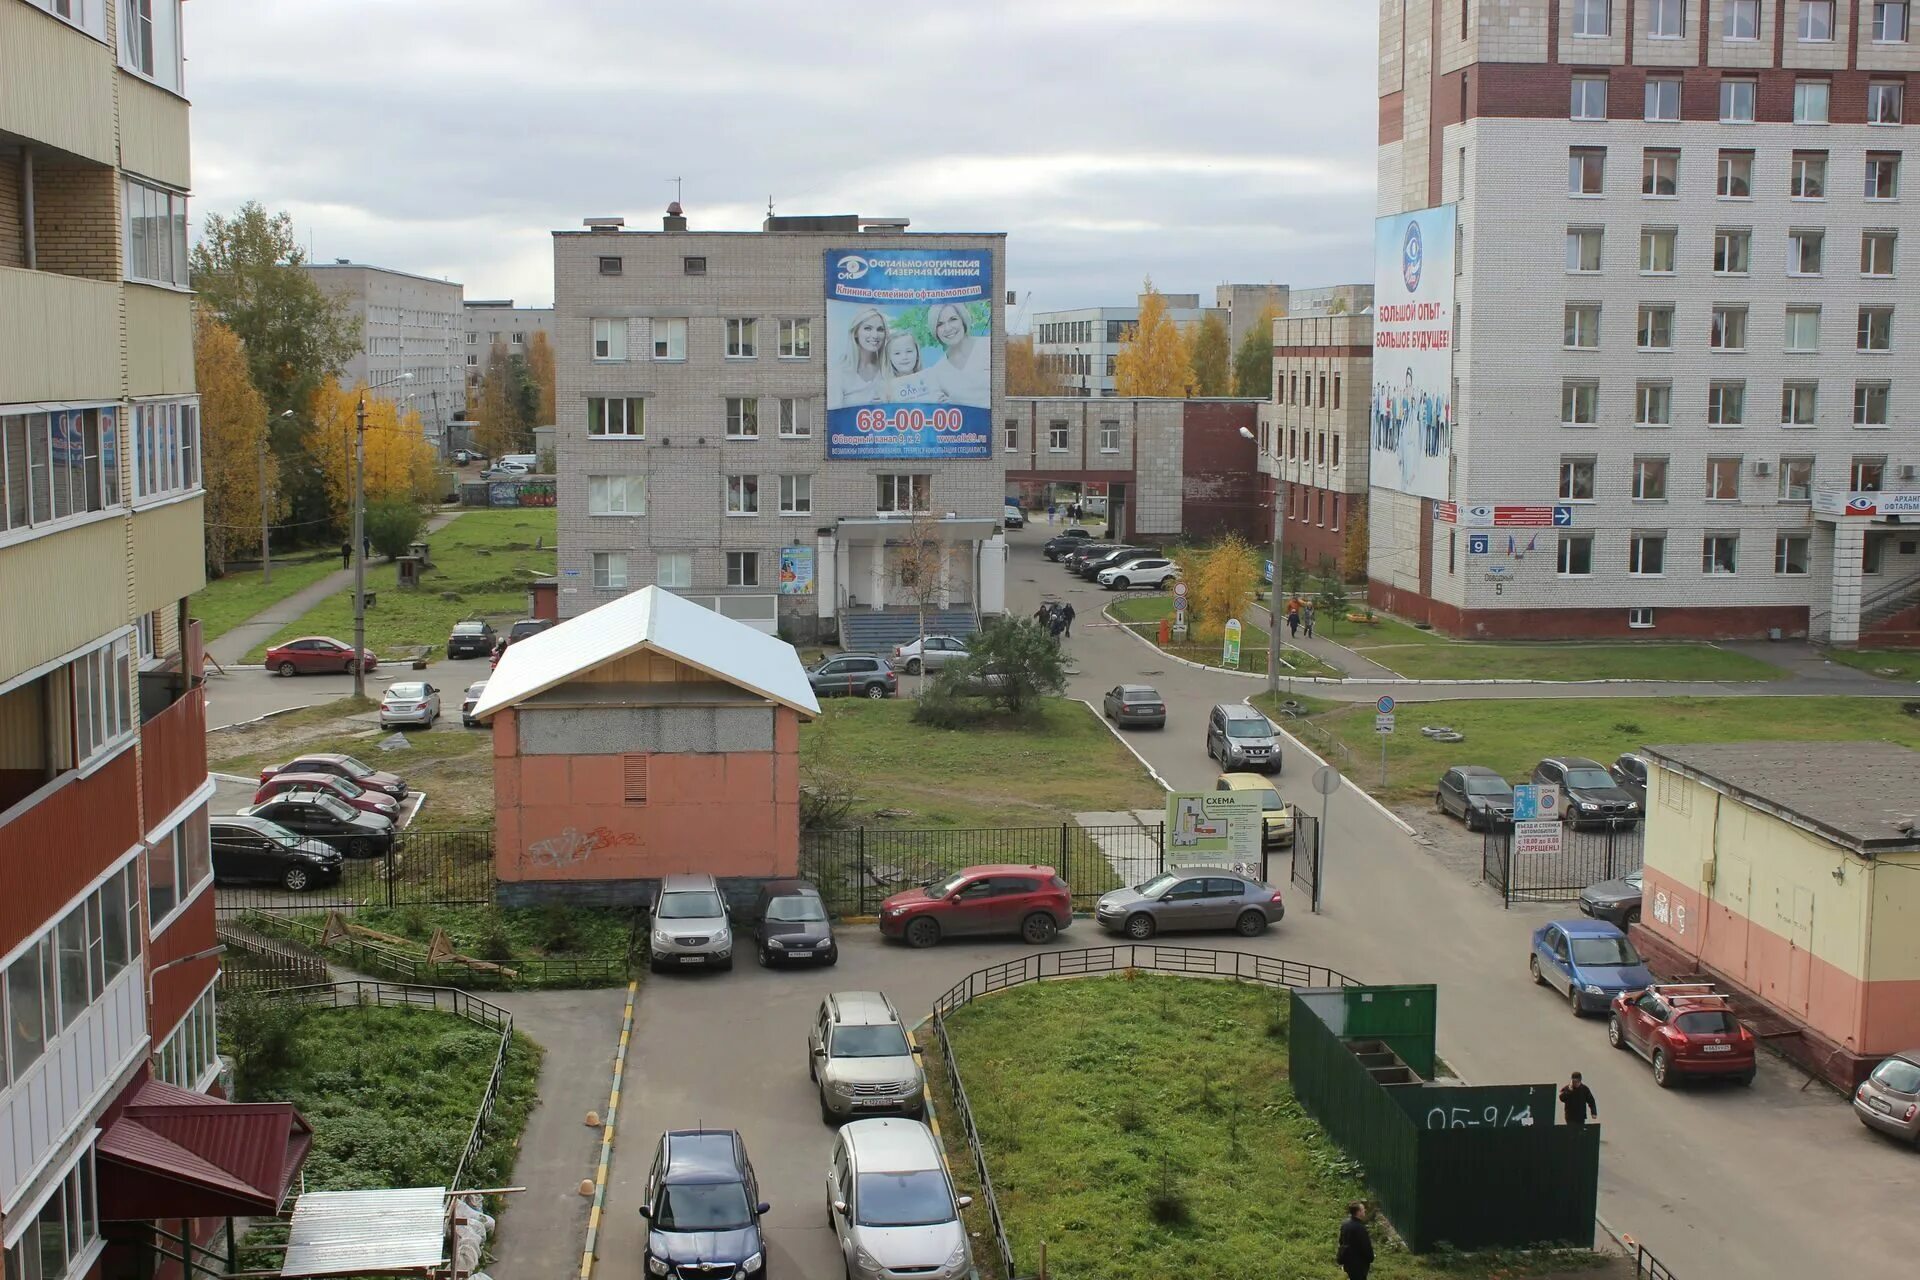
[(919, 564)]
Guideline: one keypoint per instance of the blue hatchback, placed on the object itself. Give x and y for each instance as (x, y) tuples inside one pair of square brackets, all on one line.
[(1590, 960)]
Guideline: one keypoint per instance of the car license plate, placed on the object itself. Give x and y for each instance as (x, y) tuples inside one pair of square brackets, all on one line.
[(800, 951), (1716, 1048), (1880, 1104), (691, 959)]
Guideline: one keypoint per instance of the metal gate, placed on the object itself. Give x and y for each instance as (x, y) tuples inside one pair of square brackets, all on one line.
[(1585, 858), (440, 868), (1306, 857)]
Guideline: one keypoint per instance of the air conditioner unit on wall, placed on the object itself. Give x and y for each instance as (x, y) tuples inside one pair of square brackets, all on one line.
[(1763, 467), (1908, 471)]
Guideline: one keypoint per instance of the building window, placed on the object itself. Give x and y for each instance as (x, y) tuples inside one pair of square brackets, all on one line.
[(673, 569), (1719, 554), (62, 1240), (1803, 328), (609, 571), (1790, 554), (1735, 181), (189, 1057), (903, 494), (1336, 390), (1870, 401), (154, 224), (742, 339), (1655, 330), (166, 449), (1732, 251), (1056, 437), (1885, 102), (1723, 479), (1663, 102), (1890, 22), (796, 419), (1575, 555), (1647, 555), (1726, 404), (1666, 19), (1109, 436), (1736, 100), (1656, 251), (1583, 249), (1586, 170), (609, 339), (1579, 403), (1336, 451), (1799, 403), (616, 495), (57, 465), (1808, 180), (1589, 98), (1866, 474), (1741, 20), (1582, 325), (1576, 479), (473, 362), (1810, 101), (670, 339), (796, 339), (1659, 172), (1590, 17), (1883, 176), (1875, 329), (1876, 252), (1805, 252), (743, 568), (615, 416), (743, 418), (1728, 329), (519, 339), (1816, 21), (1796, 479), (1653, 404), (1650, 479), (743, 495), (101, 690), (1011, 432), (796, 495), (472, 338), (179, 864), (609, 266)]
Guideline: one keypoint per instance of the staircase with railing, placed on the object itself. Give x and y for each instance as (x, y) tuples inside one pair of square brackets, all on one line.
[(1889, 615), (868, 631)]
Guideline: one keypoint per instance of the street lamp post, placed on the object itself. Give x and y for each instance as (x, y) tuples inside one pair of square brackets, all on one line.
[(266, 554), (1274, 616), (360, 549)]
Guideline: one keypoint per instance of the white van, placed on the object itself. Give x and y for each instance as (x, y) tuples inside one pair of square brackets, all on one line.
[(531, 461), (891, 1204)]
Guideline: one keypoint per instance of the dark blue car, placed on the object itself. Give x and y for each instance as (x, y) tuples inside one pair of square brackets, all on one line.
[(1590, 960), (703, 1208)]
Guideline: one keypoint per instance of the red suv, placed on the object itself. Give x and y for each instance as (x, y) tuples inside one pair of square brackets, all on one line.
[(1683, 1029), (1029, 900)]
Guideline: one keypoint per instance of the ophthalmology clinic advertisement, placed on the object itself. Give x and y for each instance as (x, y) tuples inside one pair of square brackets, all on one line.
[(1412, 409), (909, 353)]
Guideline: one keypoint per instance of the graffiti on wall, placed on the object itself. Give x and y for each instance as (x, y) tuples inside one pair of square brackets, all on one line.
[(573, 846), (520, 493), (1671, 912)]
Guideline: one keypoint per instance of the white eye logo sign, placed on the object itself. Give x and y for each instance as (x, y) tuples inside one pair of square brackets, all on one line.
[(852, 267)]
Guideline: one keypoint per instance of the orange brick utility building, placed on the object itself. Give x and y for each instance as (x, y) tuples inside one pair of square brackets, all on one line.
[(648, 737)]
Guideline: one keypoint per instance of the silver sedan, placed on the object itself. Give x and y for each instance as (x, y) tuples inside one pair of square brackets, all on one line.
[(409, 702), (1191, 898)]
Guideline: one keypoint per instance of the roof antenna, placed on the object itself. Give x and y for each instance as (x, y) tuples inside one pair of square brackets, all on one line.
[(769, 204), (676, 191)]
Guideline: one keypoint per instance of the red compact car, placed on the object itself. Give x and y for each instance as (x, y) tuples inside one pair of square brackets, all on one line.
[(341, 766), (361, 798), (1683, 1029), (315, 654), (1031, 901)]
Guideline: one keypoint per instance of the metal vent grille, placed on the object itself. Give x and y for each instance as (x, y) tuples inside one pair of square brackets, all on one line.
[(635, 778)]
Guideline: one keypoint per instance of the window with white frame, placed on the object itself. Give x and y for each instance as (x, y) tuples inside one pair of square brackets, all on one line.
[(1579, 403), (1575, 558), (189, 1058), (1876, 252), (796, 339), (519, 339), (1663, 99), (101, 684), (796, 495), (54, 466), (1723, 479), (610, 339), (1056, 437), (1726, 404), (1807, 180), (616, 495), (1589, 101), (1653, 404), (1790, 554), (1796, 479), (1581, 325), (1011, 434), (1874, 331), (1886, 102), (1659, 171), (796, 419), (1647, 554), (1732, 251), (69, 966), (1799, 403), (1811, 99), (1890, 22), (1109, 436), (1803, 328), (179, 864), (1719, 554), (1816, 22), (903, 493), (743, 418), (1583, 248), (670, 338), (673, 569), (1657, 247), (154, 225), (166, 448), (473, 338), (743, 495), (617, 416), (1737, 94), (1740, 20), (1735, 176), (150, 41), (1867, 474), (743, 568), (88, 15), (1870, 403), (1727, 330), (1586, 171), (1805, 251), (1883, 175), (1667, 19), (743, 339), (1650, 479), (62, 1239), (1576, 479), (1655, 329), (609, 571), (1590, 17)]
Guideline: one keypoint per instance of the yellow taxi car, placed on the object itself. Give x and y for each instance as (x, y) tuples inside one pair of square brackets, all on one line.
[(1275, 815)]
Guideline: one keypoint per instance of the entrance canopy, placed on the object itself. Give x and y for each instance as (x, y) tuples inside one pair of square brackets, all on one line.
[(882, 530), (173, 1153)]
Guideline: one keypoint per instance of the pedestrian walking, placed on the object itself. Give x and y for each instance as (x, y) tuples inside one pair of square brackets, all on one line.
[(1576, 1100), (366, 546), (1293, 623), (1057, 627), (1051, 508), (1355, 1256), (1066, 619), (346, 555), (1043, 616), (1306, 620)]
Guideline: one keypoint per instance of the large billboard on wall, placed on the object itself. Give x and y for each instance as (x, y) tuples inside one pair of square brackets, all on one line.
[(1412, 406), (909, 353)]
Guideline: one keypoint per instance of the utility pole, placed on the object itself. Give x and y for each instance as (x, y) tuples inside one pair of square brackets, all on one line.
[(266, 555), (1275, 616), (360, 549)]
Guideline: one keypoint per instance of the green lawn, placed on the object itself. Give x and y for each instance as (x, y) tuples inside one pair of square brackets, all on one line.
[(1096, 1097), (981, 776), (1895, 664), (588, 945), (226, 602), (1143, 613), (1512, 736), (482, 563), (1424, 655)]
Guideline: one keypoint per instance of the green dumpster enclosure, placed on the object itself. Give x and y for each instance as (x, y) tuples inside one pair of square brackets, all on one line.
[(1471, 1166)]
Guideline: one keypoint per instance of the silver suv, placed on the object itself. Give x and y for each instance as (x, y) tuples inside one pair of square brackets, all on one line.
[(1239, 737), (892, 1208), (858, 1055), (690, 925)]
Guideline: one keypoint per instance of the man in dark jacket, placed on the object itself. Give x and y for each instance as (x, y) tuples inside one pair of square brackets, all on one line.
[(1576, 1100), (346, 555), (1356, 1244), (1066, 618)]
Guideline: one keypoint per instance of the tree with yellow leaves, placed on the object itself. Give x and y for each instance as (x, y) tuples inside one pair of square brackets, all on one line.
[(400, 462), (233, 441), (1220, 583), (540, 369), (1208, 354), (1029, 373), (1153, 361)]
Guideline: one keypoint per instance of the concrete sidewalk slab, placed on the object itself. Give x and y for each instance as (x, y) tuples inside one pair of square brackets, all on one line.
[(1126, 852)]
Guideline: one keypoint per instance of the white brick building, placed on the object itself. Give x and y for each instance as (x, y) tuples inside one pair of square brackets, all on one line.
[(496, 322), (410, 329)]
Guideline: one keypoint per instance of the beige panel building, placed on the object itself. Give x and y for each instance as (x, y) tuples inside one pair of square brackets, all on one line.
[(496, 322), (411, 331), (1313, 431)]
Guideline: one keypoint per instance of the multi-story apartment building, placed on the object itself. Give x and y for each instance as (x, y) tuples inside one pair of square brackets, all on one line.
[(1349, 299), (411, 338), (1682, 316), (707, 391), (1313, 431), (1083, 344), (1243, 304), (106, 901), (497, 323)]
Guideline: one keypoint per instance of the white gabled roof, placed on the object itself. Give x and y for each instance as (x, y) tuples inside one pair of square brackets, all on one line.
[(664, 623)]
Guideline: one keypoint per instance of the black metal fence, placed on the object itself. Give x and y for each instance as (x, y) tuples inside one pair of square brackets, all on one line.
[(858, 867), (1646, 1266), (439, 868), (1584, 857), (1305, 871)]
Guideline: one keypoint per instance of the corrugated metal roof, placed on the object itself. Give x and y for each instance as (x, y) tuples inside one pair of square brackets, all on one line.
[(171, 1152), (342, 1233), (665, 623)]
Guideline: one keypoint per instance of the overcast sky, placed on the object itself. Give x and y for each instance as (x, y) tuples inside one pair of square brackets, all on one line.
[(1199, 141)]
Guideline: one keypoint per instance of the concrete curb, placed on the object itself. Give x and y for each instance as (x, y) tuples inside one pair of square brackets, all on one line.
[(1132, 750), (606, 1138), (1222, 671), (1346, 780), (257, 719)]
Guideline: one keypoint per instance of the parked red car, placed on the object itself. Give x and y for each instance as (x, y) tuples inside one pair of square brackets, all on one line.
[(1683, 1029), (342, 766), (361, 798), (1031, 901), (315, 654)]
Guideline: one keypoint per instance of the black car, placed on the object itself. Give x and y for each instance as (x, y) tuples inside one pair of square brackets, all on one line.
[(1590, 796), (254, 850), (789, 922), (1092, 550), (320, 815), (1630, 771), (528, 627), (1089, 567), (703, 1208), (1615, 901), (1061, 543), (865, 675), (474, 639), (1476, 795)]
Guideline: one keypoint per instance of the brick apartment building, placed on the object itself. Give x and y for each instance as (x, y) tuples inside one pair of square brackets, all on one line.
[(410, 339), (496, 322), (1313, 431)]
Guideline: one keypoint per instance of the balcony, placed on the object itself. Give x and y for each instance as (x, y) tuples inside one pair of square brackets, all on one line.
[(173, 744), (58, 90), (61, 335), (57, 839)]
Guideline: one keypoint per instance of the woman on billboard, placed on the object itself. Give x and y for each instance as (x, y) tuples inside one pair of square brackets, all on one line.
[(961, 374), (863, 375)]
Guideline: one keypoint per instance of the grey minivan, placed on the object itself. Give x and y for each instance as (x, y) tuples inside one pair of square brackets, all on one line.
[(1239, 737)]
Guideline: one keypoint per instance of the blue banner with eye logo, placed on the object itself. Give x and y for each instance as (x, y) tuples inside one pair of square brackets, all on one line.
[(909, 353)]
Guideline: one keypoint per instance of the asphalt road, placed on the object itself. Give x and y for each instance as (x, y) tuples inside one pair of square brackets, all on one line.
[(246, 693)]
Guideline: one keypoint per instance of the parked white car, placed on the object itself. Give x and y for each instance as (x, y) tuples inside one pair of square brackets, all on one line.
[(1154, 571), (409, 702), (931, 652)]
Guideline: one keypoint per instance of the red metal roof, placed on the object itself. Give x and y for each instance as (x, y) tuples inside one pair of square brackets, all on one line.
[(172, 1153)]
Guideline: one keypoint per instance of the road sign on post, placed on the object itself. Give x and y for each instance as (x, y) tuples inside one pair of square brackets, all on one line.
[(1179, 611), (1326, 780), (1230, 644)]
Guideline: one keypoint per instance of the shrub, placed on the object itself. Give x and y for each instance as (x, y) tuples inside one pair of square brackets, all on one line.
[(261, 1032), (495, 944), (558, 931)]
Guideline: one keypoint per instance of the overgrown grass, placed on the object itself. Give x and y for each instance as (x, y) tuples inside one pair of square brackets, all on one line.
[(1143, 613), (589, 945), (1511, 736), (225, 603), (1145, 1127), (1894, 664), (1424, 655), (482, 563)]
